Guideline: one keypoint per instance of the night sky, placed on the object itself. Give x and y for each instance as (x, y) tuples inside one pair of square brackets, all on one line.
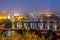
[(28, 6)]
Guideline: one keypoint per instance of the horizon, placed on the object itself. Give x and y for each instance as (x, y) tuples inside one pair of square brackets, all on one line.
[(29, 6)]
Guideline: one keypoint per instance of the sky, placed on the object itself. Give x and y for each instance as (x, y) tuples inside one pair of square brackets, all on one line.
[(28, 6)]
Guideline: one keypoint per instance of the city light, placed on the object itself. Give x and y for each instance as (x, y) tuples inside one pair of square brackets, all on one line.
[(9, 17), (29, 19), (12, 17), (48, 14), (3, 17), (16, 14), (0, 17), (39, 22)]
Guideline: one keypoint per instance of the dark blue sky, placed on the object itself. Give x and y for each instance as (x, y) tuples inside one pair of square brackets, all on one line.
[(28, 6)]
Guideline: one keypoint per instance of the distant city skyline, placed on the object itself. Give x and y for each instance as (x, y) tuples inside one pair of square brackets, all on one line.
[(27, 6)]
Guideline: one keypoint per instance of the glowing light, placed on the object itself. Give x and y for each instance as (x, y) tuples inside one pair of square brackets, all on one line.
[(9, 16), (48, 14), (20, 17), (0, 17), (16, 14), (12, 16), (4, 17)]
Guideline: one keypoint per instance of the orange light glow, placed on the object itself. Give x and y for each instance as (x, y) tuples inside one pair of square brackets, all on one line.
[(48, 14), (0, 17)]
